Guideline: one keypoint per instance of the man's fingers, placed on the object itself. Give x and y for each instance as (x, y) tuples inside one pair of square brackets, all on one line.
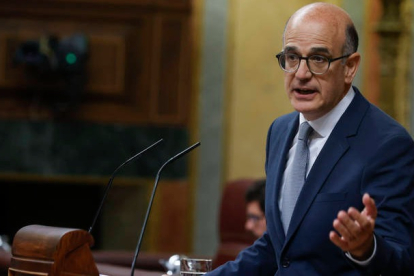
[(345, 226), (353, 229), (336, 239), (370, 208), (362, 221)]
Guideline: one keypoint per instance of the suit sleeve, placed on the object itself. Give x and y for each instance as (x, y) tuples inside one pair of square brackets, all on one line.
[(258, 259), (389, 179)]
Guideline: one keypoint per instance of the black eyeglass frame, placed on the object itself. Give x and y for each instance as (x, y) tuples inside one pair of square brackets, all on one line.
[(307, 62)]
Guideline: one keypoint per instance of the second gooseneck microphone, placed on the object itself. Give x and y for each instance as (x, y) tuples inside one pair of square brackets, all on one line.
[(172, 159), (108, 186)]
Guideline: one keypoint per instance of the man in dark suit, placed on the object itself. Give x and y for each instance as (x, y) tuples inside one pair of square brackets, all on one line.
[(354, 212)]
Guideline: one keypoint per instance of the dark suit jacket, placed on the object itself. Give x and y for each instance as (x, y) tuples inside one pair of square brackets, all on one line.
[(367, 152)]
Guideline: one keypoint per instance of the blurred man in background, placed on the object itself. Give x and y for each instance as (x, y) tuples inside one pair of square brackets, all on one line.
[(255, 208)]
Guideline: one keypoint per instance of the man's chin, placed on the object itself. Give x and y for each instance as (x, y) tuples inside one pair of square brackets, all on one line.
[(310, 112), (304, 106)]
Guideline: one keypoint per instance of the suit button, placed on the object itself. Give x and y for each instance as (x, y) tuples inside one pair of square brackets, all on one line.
[(285, 262)]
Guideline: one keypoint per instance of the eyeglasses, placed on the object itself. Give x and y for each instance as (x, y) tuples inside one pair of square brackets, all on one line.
[(317, 64), (254, 218)]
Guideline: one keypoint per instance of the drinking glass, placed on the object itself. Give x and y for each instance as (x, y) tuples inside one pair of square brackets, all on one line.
[(193, 267)]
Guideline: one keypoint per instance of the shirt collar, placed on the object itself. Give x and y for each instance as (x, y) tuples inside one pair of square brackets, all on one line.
[(325, 124)]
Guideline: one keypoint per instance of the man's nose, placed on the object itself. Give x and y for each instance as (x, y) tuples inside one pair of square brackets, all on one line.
[(248, 225), (303, 71)]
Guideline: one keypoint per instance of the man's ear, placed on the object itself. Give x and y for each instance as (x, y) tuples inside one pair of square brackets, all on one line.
[(351, 67)]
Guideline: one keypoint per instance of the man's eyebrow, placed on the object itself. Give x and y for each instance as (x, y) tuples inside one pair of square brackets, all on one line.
[(290, 49), (322, 50)]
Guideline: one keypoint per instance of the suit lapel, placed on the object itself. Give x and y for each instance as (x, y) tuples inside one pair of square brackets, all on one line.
[(280, 149), (335, 147)]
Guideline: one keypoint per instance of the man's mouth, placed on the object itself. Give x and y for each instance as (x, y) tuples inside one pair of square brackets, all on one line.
[(304, 91)]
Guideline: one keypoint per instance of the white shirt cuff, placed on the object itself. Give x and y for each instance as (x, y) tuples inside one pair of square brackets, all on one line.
[(366, 262)]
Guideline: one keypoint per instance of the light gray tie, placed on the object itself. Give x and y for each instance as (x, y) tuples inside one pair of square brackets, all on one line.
[(296, 178)]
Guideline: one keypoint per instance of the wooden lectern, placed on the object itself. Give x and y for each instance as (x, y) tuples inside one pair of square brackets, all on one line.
[(52, 251)]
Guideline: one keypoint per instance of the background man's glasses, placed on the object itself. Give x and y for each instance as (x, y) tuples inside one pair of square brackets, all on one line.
[(254, 218), (317, 64)]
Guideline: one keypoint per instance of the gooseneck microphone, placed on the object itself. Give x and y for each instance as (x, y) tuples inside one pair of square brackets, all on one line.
[(108, 186), (172, 159)]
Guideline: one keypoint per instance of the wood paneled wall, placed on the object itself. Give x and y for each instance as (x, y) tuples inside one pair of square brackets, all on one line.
[(138, 73), (138, 68)]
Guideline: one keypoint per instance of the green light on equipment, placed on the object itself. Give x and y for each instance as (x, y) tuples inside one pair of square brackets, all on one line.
[(71, 58)]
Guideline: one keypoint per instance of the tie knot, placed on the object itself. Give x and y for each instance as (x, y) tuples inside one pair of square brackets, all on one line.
[(304, 131)]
